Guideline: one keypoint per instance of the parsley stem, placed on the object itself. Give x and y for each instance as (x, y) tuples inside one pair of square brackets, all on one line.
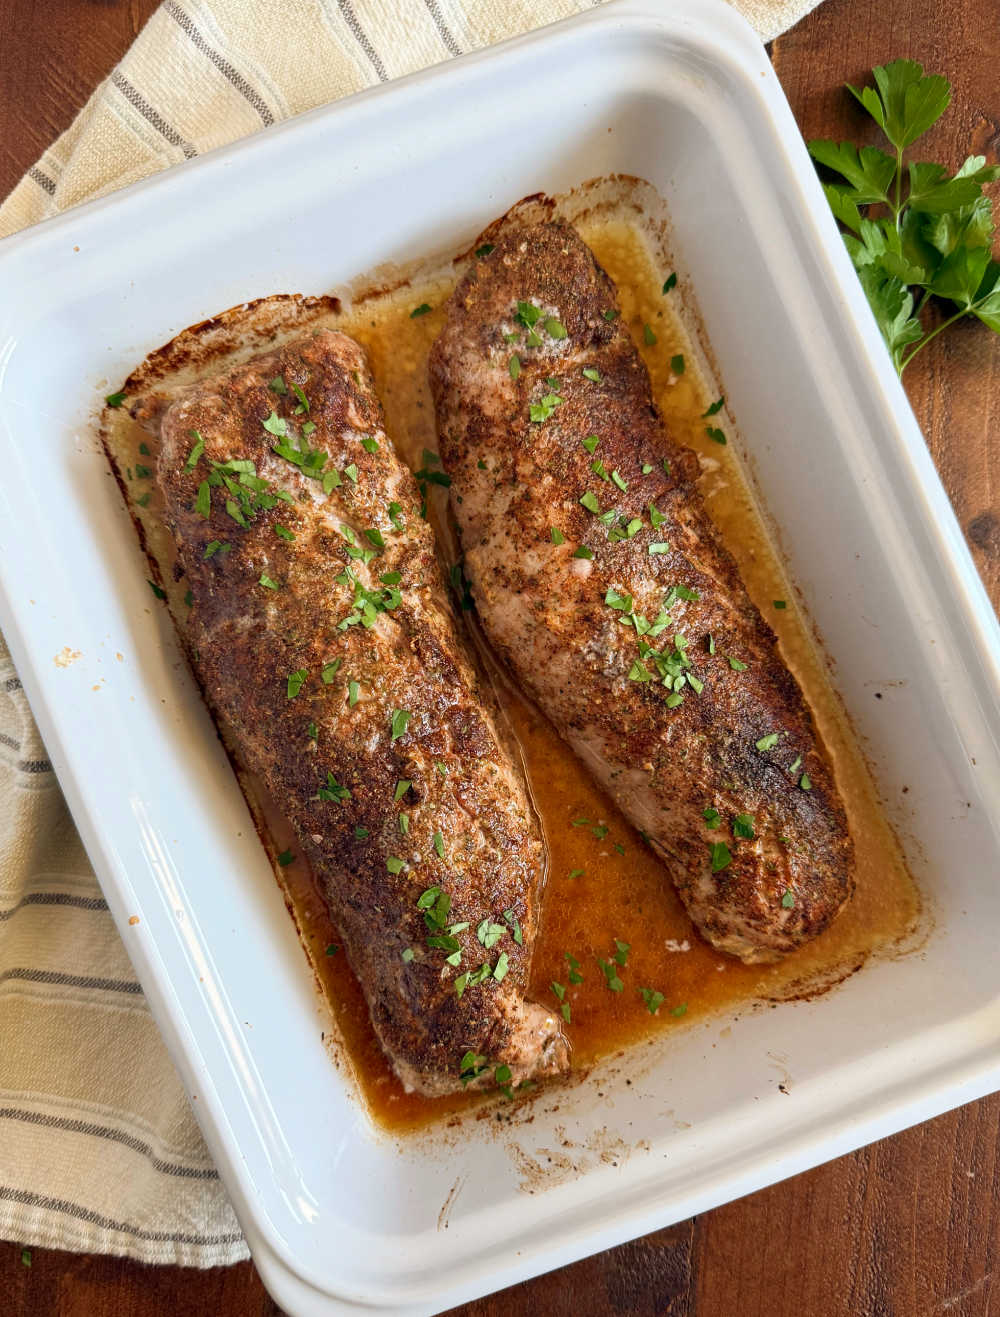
[(933, 334), (899, 186)]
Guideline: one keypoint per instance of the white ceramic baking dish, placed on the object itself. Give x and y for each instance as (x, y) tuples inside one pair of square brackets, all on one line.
[(338, 1216)]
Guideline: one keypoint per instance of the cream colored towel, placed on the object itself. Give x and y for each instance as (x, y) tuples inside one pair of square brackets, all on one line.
[(99, 1151)]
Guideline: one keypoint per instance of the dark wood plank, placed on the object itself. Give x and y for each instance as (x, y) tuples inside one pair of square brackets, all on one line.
[(52, 56), (908, 1227)]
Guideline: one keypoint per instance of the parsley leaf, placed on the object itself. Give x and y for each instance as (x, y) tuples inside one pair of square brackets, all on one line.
[(937, 235)]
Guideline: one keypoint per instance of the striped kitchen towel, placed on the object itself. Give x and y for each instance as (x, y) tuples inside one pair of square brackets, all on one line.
[(99, 1151)]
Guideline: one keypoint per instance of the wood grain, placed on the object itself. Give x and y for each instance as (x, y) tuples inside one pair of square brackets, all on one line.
[(909, 1227)]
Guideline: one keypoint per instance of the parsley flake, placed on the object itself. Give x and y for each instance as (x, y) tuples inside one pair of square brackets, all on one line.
[(720, 856), (670, 282), (267, 582), (400, 722), (767, 742), (115, 399), (295, 682), (677, 363), (743, 826), (420, 310), (286, 858), (788, 900), (654, 1000)]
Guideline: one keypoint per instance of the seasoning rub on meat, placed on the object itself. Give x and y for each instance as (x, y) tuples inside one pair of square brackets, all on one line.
[(602, 584), (321, 632)]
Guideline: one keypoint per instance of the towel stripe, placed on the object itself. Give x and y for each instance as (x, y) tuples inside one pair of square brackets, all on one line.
[(136, 99), (363, 40), (20, 974), (8, 1194), (220, 62), (43, 180), (55, 898), (434, 9), (112, 1135)]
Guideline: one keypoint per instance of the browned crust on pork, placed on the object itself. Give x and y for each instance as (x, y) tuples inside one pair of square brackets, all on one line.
[(246, 638), (545, 611)]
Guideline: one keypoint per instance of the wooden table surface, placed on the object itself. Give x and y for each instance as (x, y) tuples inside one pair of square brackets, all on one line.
[(906, 1228)]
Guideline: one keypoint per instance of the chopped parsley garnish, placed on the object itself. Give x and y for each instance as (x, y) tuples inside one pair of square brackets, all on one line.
[(720, 856), (330, 670), (680, 1010), (361, 833), (619, 481), (353, 693), (621, 952), (267, 582), (590, 373), (767, 742), (332, 949), (541, 411), (646, 468), (557, 536), (160, 594), (501, 967), (743, 825), (295, 682), (203, 500), (735, 664), (514, 366), (796, 764), (610, 315), (400, 722), (143, 500), (503, 1075), (471, 1066), (780, 603), (402, 786), (404, 824), (351, 472), (283, 532), (312, 732), (575, 976), (590, 443), (654, 1000), (711, 816), (610, 971), (196, 451), (370, 445), (308, 428), (286, 857), (303, 406), (716, 406), (215, 546), (439, 848), (555, 328), (677, 363), (332, 790), (660, 546), (142, 472), (788, 900), (577, 873), (394, 864), (670, 282), (420, 310), (331, 481), (805, 782), (407, 955), (583, 552), (276, 425), (278, 386), (589, 501), (115, 399), (515, 927), (564, 1008), (715, 435), (484, 250), (648, 336)]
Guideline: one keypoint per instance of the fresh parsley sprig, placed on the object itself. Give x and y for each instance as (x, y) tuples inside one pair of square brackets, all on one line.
[(918, 232)]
